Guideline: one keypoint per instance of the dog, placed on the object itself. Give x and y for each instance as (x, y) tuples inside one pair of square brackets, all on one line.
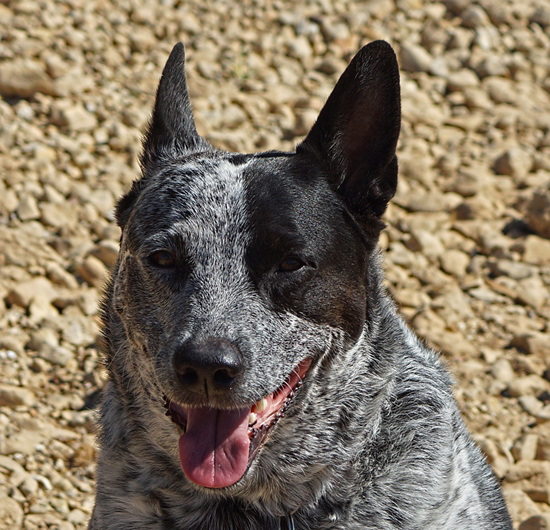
[(259, 374)]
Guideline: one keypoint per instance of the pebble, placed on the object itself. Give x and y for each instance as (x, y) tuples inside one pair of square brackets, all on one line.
[(533, 343), (24, 78), (537, 213), (502, 371), (13, 396), (414, 58), (514, 162), (536, 250), (532, 477), (536, 522), (11, 513), (528, 384), (92, 271)]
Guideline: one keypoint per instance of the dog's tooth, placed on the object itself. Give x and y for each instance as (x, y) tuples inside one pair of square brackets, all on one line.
[(252, 418), (261, 405)]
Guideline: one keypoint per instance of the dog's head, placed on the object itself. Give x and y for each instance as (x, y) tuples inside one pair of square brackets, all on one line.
[(240, 277)]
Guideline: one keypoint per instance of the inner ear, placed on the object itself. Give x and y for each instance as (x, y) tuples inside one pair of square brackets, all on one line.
[(356, 134)]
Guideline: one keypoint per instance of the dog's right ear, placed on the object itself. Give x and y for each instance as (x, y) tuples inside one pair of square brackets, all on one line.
[(171, 132)]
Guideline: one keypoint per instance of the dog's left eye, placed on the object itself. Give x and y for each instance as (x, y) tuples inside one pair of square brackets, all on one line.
[(163, 259), (290, 264)]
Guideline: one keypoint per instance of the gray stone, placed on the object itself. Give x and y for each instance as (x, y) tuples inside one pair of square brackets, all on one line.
[(533, 343), (27, 208), (536, 250), (514, 162), (462, 79), (536, 522), (414, 58), (474, 17), (14, 396), (92, 271), (23, 78), (11, 513), (73, 117), (537, 212)]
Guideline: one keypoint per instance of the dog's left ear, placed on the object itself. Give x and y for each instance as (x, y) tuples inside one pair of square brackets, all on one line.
[(355, 135), (172, 132)]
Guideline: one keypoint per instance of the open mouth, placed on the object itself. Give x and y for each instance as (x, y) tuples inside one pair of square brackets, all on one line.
[(217, 446)]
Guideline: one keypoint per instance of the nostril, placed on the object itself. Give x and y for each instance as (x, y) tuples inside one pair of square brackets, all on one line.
[(188, 377), (223, 378), (210, 366)]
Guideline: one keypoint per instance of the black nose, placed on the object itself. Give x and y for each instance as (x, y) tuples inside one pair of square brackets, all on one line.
[(211, 366)]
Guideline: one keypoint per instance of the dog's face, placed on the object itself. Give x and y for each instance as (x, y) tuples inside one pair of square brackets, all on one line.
[(240, 275)]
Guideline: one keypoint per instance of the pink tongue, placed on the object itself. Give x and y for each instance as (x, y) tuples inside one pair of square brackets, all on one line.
[(214, 448)]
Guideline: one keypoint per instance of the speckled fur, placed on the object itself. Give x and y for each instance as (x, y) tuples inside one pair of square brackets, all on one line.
[(373, 438)]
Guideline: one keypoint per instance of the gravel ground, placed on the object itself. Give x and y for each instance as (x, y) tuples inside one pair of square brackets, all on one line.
[(468, 236)]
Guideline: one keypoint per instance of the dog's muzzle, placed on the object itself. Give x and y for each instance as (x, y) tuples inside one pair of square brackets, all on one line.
[(216, 446)]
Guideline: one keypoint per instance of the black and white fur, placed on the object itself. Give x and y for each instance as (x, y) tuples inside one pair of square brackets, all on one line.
[(274, 254)]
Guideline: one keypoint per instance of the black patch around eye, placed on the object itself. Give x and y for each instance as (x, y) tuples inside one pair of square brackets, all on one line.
[(162, 259), (290, 264)]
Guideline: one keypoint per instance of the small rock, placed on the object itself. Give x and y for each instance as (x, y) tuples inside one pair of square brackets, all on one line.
[(536, 522), (73, 117), (532, 292), (492, 65), (92, 271), (502, 371), (541, 16), (425, 242), (77, 516), (538, 213), (24, 293), (462, 79), (519, 503), (414, 58), (27, 208), (532, 477), (43, 338), (142, 39), (514, 162), (536, 250), (58, 275), (501, 90), (454, 262), (531, 405), (526, 385), (511, 269), (543, 432), (107, 252), (456, 7), (526, 447), (11, 513), (58, 215), (24, 78), (532, 343), (60, 355), (233, 116), (474, 17), (14, 396)]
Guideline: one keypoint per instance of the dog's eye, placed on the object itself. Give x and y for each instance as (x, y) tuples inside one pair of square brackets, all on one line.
[(163, 259), (290, 264)]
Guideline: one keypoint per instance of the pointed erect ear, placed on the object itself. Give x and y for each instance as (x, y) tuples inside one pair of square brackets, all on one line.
[(171, 131), (356, 133)]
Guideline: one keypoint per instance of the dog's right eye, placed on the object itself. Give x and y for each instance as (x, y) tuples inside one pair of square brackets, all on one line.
[(163, 259)]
